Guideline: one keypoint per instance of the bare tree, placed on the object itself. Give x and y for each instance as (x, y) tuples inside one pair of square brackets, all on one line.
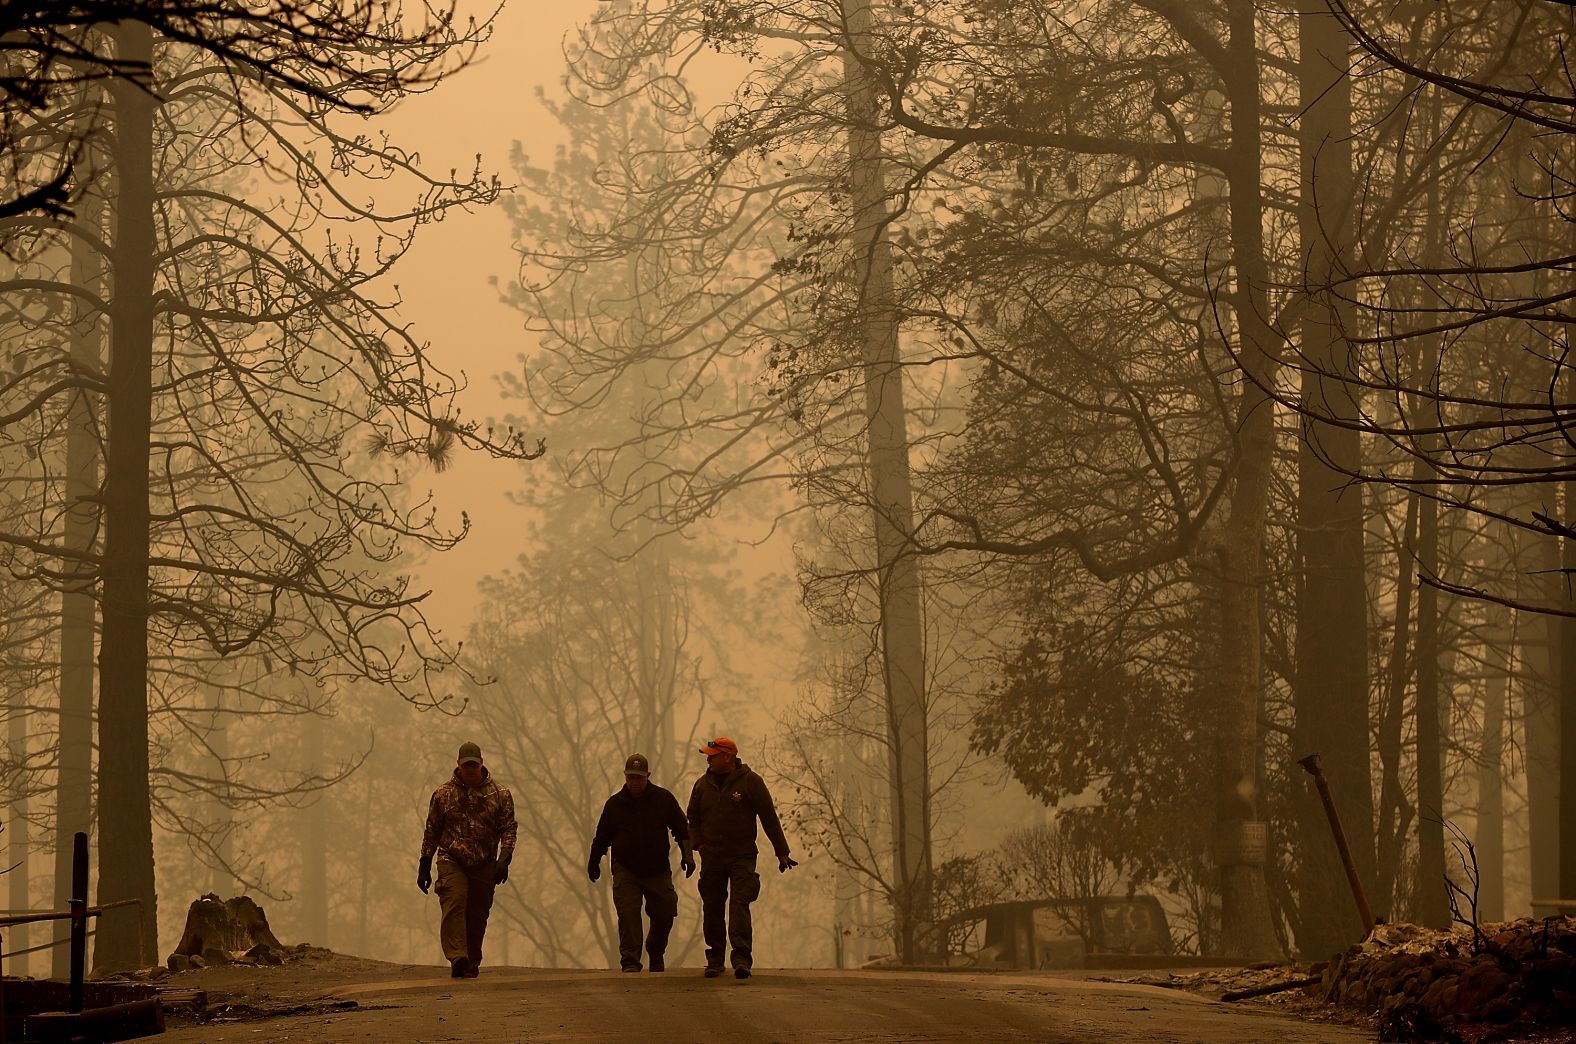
[(591, 661), (269, 532), (50, 48), (1459, 343)]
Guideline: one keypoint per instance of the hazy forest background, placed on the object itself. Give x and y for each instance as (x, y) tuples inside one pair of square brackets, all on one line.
[(1027, 428)]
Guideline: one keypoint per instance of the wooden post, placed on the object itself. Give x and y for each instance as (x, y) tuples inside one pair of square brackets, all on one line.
[(79, 918)]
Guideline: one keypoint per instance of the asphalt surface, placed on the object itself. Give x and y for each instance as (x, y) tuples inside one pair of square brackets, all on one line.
[(505, 1006)]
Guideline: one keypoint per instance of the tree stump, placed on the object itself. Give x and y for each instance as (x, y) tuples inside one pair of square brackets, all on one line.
[(217, 926)]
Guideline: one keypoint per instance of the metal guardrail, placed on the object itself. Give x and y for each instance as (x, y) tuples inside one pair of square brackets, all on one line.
[(42, 946), (33, 916), (78, 913)]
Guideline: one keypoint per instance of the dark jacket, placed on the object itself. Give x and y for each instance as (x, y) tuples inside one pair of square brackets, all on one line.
[(637, 830), (722, 814)]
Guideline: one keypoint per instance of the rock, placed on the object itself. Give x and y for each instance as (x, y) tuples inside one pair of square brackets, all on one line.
[(1439, 999), (1449, 1001), (1409, 1022), (214, 955), (262, 953), (1540, 976), (1331, 973), (179, 962), (197, 961), (1500, 1010), (1479, 985), (1458, 985), (1522, 946), (1390, 1006)]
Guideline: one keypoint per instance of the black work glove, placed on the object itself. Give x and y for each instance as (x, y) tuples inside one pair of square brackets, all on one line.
[(784, 864), (501, 871), (424, 874), (594, 869), (686, 859)]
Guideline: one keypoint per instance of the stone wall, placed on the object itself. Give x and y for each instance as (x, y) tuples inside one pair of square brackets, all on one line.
[(1494, 982)]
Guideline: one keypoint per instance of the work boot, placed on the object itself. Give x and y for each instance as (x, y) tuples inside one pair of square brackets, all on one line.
[(713, 972), (741, 972), (459, 967), (631, 968), (654, 963), (473, 969)]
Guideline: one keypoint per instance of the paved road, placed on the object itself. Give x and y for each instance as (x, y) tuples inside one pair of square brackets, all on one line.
[(777, 1006)]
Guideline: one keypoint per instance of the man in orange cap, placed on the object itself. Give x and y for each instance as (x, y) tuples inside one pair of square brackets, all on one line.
[(723, 808)]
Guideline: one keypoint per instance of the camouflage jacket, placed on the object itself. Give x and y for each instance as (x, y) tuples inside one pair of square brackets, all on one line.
[(468, 824)]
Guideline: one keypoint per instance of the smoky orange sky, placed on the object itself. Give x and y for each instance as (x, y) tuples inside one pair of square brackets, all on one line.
[(445, 280), (448, 295)]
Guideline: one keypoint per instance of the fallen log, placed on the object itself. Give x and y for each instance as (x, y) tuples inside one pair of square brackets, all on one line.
[(117, 1022), (1264, 991)]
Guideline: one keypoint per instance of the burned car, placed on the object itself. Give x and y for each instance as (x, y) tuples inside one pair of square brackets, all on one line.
[(1103, 931)]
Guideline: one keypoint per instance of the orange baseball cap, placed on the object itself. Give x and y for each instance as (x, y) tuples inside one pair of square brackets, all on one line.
[(720, 744)]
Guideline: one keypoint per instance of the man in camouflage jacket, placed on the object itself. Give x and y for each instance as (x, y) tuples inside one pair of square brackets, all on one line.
[(471, 830)]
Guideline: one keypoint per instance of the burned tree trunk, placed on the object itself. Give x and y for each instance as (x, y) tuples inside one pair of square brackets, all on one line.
[(19, 832), (1396, 811), (1247, 929), (217, 929), (1563, 718), (1543, 652), (1433, 907), (1497, 658), (314, 842), (1331, 685), (892, 500), (125, 808), (78, 605)]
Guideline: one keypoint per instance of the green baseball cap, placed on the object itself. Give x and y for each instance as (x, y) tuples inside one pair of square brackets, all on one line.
[(637, 766), (470, 754)]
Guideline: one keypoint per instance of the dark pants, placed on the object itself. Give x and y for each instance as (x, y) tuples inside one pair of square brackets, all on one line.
[(662, 905), (465, 896), (728, 883)]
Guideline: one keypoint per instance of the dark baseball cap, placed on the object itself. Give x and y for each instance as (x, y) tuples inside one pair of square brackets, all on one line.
[(470, 753), (636, 765)]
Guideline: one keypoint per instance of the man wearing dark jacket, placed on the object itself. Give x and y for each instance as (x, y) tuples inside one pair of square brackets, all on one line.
[(723, 808), (635, 823)]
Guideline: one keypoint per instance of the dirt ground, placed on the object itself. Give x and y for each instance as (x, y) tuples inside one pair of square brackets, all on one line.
[(331, 998)]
